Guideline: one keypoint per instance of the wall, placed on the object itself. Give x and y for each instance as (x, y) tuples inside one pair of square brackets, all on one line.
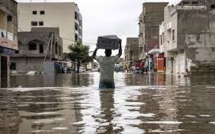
[(197, 36), (63, 18), (24, 64), (133, 48)]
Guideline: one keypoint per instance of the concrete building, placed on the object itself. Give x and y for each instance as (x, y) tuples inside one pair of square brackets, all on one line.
[(187, 38), (131, 50), (8, 38), (64, 15), (149, 20), (35, 48)]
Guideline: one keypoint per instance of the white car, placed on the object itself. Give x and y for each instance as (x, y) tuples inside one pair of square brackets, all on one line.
[(33, 73)]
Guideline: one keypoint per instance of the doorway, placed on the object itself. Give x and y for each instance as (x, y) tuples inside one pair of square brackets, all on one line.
[(4, 72)]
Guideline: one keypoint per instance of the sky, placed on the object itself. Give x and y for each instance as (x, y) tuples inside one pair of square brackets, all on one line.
[(108, 17)]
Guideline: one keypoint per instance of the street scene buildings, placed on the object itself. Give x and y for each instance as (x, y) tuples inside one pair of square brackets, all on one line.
[(45, 14), (164, 83), (177, 39), (187, 38), (131, 50), (8, 38), (37, 47)]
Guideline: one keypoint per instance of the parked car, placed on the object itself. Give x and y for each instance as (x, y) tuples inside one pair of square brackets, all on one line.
[(82, 69), (14, 73), (34, 73)]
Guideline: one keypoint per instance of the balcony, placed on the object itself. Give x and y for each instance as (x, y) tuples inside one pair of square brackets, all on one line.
[(172, 46), (8, 40)]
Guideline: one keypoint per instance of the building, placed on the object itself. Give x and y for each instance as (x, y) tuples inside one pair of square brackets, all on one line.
[(64, 15), (187, 38), (35, 48), (131, 50), (8, 38), (149, 20)]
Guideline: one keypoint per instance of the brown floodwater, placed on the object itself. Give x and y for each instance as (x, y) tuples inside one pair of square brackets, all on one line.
[(73, 104)]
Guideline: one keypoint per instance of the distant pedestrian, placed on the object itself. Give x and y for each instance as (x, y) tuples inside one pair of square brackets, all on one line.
[(65, 69)]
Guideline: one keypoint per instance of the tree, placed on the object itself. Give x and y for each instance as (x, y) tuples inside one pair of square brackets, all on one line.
[(79, 53)]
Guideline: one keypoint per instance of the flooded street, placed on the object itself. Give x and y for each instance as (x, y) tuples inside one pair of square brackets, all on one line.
[(72, 104)]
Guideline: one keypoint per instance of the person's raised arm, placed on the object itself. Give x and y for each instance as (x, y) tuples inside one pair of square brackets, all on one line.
[(94, 53), (120, 49)]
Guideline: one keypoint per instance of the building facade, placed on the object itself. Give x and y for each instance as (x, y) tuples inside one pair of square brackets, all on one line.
[(149, 20), (66, 16), (131, 50), (35, 48), (8, 38), (187, 38)]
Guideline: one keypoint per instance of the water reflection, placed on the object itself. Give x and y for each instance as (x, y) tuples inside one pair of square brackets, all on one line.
[(107, 111), (59, 80), (9, 114), (149, 103)]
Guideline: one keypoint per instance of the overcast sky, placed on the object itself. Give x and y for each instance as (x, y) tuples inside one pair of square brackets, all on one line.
[(107, 17)]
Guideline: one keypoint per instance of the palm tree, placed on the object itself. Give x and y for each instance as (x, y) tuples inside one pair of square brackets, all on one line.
[(79, 53)]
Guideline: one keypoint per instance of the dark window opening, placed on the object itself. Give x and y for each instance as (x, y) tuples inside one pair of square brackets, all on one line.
[(13, 66), (41, 23), (9, 18), (186, 3), (173, 35), (42, 12), (56, 46), (213, 6), (76, 26), (76, 37), (76, 15), (34, 12), (34, 23), (17, 51), (195, 2), (32, 46), (4, 71), (41, 48)]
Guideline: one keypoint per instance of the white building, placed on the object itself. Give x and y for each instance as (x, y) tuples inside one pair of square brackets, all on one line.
[(64, 15)]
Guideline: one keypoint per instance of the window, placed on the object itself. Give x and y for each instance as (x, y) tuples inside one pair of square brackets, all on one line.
[(76, 37), (42, 12), (9, 18), (41, 48), (34, 23), (32, 46), (34, 12), (186, 3), (76, 26), (173, 35), (41, 23), (212, 6), (76, 15), (195, 3), (13, 66), (161, 39)]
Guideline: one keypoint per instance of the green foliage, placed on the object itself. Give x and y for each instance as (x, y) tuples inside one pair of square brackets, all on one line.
[(78, 52)]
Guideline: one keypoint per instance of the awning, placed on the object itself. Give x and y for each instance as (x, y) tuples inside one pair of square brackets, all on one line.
[(154, 51)]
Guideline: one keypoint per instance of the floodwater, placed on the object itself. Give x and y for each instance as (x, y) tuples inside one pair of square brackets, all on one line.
[(72, 104)]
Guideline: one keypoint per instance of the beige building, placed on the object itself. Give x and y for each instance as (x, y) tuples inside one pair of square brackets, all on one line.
[(65, 15), (8, 38), (37, 47), (149, 20), (131, 50), (187, 38)]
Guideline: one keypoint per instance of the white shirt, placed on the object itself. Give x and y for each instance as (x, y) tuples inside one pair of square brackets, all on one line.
[(107, 67)]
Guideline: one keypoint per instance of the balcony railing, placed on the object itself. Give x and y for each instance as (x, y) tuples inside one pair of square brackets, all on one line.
[(8, 40)]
